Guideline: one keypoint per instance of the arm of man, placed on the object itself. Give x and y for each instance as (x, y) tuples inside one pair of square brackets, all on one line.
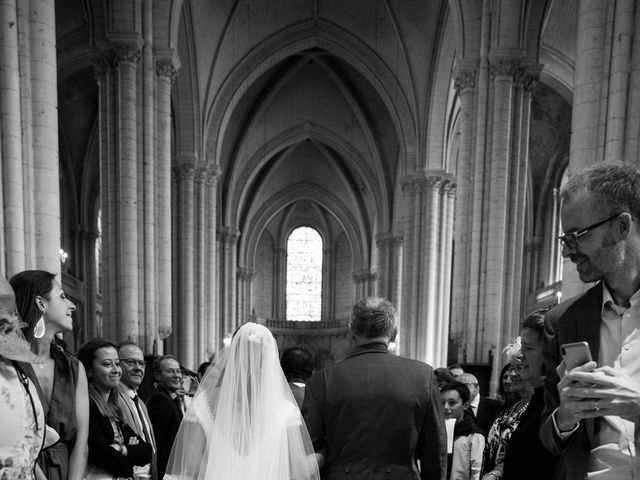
[(158, 406), (431, 449), (552, 426), (312, 409)]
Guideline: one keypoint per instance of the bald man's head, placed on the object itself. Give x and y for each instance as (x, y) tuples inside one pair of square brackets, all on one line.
[(472, 384)]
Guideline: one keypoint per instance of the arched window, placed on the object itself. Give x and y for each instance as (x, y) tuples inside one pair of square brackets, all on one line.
[(304, 275)]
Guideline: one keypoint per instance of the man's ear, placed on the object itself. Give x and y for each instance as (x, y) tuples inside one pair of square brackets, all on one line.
[(623, 224), (393, 335)]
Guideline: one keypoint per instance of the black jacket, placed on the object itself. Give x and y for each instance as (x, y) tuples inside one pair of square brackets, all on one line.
[(102, 455)]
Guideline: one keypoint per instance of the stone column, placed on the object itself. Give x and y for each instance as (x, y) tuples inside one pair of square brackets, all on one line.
[(104, 76), (443, 282), (92, 285), (464, 203), (280, 282), (44, 98), (495, 298), (395, 270), (228, 242), (419, 320), (328, 283), (623, 32), (125, 59), (213, 320), (201, 266), (166, 74), (12, 225), (406, 321), (383, 244), (427, 258), (587, 83), (185, 176), (245, 276)]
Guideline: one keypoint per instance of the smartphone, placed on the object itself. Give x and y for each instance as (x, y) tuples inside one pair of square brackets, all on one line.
[(575, 354)]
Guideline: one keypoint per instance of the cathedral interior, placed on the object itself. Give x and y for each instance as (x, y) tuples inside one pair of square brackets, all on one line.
[(168, 157)]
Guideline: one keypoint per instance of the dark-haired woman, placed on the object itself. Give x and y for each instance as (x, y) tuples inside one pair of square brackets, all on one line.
[(60, 379), (114, 448), (525, 443)]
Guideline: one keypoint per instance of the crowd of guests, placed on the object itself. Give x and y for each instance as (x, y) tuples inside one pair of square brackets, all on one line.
[(374, 415)]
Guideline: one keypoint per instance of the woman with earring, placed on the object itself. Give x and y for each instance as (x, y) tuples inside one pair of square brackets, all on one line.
[(60, 379)]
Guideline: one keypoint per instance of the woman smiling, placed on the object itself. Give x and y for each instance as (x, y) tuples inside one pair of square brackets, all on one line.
[(113, 446)]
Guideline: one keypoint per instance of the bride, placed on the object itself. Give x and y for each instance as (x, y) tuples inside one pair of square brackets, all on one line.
[(243, 422)]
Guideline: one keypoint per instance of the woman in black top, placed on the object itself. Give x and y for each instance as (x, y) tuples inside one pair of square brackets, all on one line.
[(525, 457), (114, 448)]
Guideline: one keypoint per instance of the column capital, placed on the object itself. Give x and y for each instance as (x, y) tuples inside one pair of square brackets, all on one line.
[(449, 186), (504, 67), (244, 274), (124, 54), (387, 240), (164, 331), (427, 180), (201, 175), (182, 173), (528, 76), (213, 175), (465, 80), (229, 234), (166, 68)]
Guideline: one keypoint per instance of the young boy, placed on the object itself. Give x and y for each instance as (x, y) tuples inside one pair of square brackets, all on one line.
[(465, 460)]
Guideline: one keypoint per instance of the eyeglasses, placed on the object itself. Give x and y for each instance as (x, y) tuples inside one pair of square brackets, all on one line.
[(132, 362), (570, 240)]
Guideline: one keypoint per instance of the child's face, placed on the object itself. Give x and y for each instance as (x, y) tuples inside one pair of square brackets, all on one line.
[(452, 404)]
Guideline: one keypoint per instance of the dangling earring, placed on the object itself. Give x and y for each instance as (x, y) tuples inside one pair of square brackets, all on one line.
[(38, 331)]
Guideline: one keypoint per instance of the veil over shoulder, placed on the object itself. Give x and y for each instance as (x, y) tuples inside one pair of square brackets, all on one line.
[(243, 422)]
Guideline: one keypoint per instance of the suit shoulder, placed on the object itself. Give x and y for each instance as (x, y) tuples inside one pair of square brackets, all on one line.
[(593, 295)]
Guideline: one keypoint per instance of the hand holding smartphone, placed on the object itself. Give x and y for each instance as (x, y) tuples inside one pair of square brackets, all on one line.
[(575, 354)]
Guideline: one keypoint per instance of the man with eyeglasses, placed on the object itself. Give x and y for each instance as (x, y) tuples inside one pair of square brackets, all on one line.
[(164, 407), (133, 408), (484, 409), (592, 413)]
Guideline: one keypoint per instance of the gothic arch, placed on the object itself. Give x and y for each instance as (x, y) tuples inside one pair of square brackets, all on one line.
[(295, 40), (242, 177)]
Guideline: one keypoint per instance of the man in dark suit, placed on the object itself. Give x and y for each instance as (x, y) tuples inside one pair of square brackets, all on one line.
[(132, 407), (484, 409), (374, 414), (592, 413), (165, 411)]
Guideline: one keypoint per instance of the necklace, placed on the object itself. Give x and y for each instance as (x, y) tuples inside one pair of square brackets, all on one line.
[(43, 364)]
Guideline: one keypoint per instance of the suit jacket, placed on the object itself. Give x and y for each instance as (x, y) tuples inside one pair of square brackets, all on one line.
[(578, 319), (165, 418), (102, 455), (128, 409), (488, 409), (376, 413)]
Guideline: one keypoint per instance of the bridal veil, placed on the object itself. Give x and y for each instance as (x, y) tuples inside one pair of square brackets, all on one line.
[(243, 422)]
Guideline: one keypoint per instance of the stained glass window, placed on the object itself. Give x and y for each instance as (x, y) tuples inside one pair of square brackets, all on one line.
[(304, 275)]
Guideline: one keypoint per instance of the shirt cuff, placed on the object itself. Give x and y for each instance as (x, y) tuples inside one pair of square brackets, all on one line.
[(562, 435)]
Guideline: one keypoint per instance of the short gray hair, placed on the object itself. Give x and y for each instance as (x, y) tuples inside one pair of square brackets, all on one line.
[(373, 317), (615, 185)]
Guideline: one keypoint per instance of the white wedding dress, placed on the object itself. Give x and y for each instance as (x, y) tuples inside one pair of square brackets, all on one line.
[(243, 423)]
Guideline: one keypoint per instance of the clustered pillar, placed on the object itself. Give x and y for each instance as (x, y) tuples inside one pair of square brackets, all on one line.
[(424, 252), (29, 185)]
